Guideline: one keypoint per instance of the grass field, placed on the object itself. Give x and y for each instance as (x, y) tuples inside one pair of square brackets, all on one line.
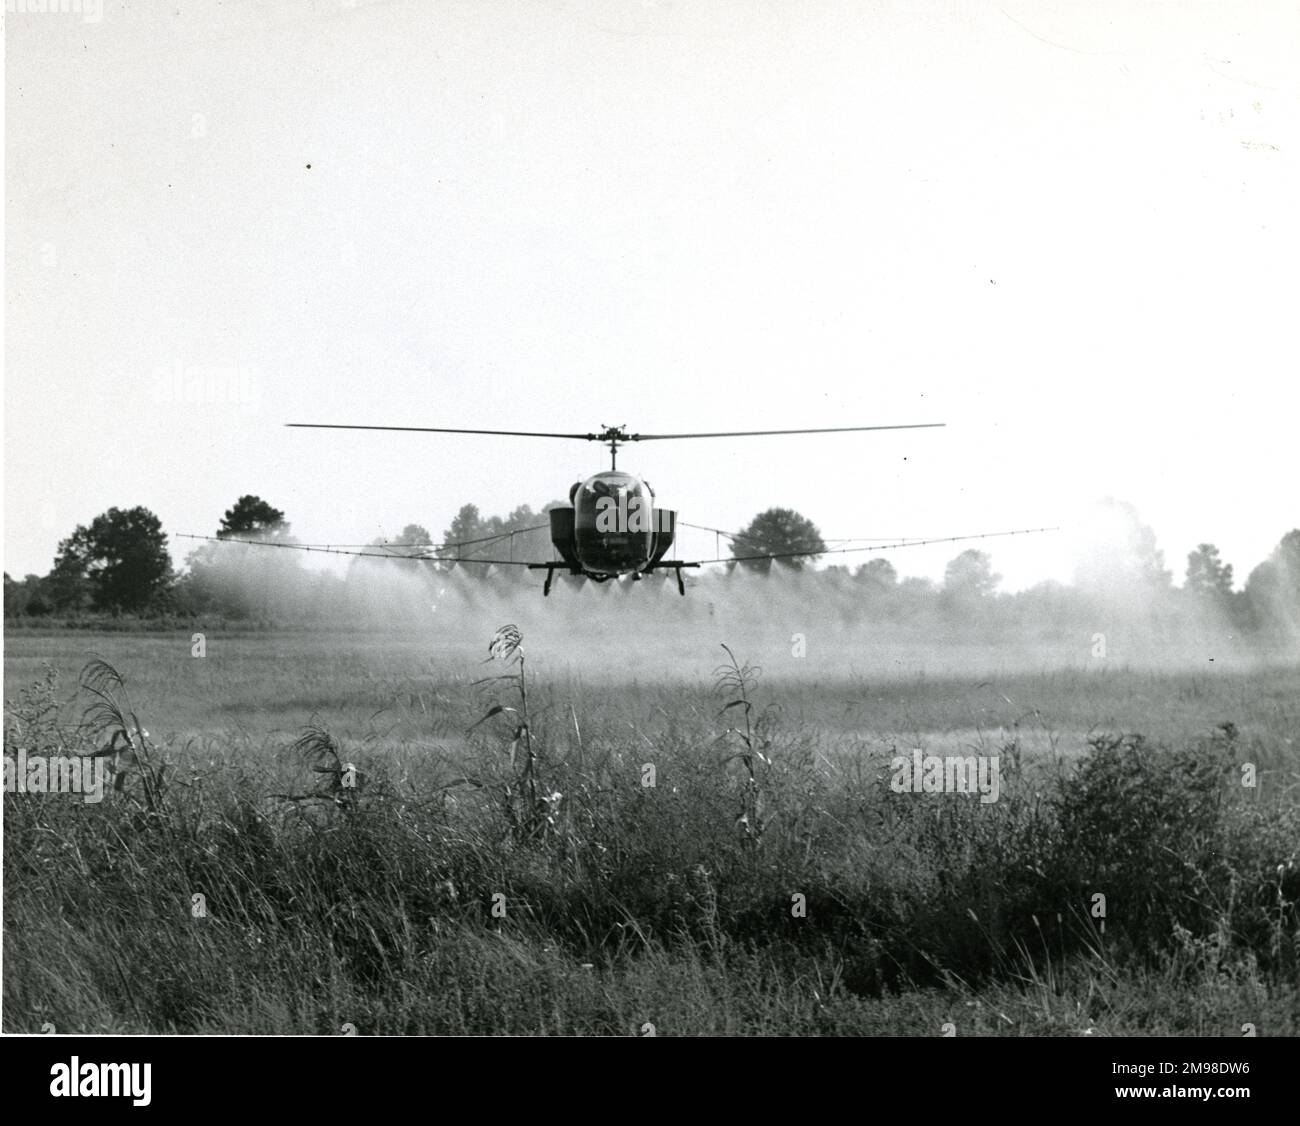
[(467, 878)]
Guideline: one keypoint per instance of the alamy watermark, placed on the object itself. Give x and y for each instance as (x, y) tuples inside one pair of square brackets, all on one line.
[(637, 516), (55, 774), (182, 384), (99, 1080), (950, 774), (90, 11)]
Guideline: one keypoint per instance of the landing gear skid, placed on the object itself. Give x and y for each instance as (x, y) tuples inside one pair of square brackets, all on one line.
[(676, 568), (551, 568)]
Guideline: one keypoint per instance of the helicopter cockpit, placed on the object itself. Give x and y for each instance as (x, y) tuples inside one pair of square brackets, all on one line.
[(614, 522)]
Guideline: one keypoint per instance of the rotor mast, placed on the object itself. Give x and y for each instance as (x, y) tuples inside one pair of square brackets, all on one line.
[(613, 435)]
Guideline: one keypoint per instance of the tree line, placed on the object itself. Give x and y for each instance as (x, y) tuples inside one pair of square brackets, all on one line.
[(119, 564)]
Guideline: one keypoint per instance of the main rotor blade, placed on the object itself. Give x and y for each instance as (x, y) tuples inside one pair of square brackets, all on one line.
[(441, 430), (762, 433)]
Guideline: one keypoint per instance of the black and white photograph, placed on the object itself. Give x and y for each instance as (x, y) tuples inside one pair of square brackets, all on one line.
[(652, 519)]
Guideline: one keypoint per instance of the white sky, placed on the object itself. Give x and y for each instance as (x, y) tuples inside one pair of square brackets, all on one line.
[(1069, 231)]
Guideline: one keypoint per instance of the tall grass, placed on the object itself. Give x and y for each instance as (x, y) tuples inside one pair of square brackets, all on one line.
[(573, 871)]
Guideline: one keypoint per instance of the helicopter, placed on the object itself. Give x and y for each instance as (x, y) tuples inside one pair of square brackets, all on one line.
[(612, 527)]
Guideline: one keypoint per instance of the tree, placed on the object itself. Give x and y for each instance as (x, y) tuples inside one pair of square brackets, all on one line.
[(778, 531), (465, 526), (15, 597), (970, 575), (68, 583), (253, 518), (414, 535), (239, 581), (1121, 552), (1273, 588), (1207, 575), (520, 535), (26, 597), (121, 558), (877, 575)]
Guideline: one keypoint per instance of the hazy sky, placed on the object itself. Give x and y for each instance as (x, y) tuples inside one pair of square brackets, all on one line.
[(1068, 231)]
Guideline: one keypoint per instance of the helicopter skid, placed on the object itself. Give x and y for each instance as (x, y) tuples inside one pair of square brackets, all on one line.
[(600, 577)]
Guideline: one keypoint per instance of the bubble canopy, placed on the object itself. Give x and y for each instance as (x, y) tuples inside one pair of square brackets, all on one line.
[(614, 522)]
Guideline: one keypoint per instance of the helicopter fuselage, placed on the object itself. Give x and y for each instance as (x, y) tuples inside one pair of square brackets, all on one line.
[(611, 529)]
